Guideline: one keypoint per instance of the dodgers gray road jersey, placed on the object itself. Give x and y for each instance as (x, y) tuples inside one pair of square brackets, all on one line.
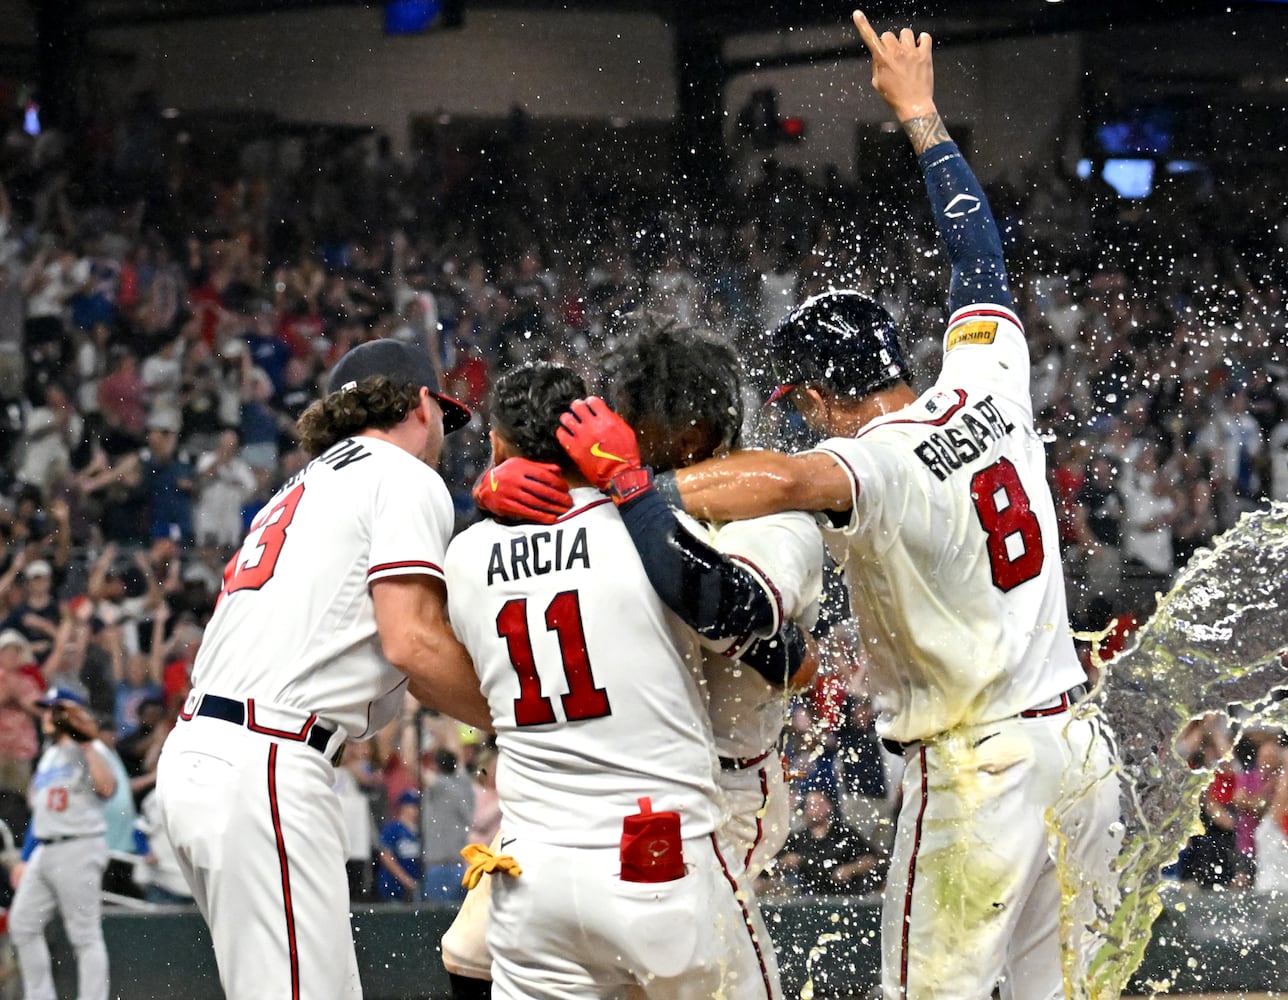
[(63, 800)]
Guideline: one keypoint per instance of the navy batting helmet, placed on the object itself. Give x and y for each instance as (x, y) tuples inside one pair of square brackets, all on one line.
[(840, 340)]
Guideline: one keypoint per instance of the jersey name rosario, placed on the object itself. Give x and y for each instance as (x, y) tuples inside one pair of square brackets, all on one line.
[(966, 437)]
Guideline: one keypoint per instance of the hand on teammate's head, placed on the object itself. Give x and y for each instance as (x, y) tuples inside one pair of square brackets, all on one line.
[(598, 440), (520, 489)]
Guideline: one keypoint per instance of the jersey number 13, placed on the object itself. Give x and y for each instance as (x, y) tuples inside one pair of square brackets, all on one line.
[(563, 617)]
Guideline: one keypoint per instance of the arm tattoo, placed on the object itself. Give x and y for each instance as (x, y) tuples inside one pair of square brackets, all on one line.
[(925, 131)]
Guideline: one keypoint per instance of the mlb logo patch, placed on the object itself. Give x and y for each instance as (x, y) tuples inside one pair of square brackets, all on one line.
[(979, 331), (939, 401)]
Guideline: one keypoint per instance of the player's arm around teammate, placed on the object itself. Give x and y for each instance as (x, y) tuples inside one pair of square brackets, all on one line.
[(417, 638)]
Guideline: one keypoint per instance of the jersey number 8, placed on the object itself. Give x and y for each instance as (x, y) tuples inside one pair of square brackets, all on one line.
[(1004, 513)]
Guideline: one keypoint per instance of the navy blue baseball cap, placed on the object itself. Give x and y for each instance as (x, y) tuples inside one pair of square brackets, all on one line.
[(402, 364), (840, 340), (57, 694)]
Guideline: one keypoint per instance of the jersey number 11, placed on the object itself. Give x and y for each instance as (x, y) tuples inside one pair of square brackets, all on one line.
[(563, 617)]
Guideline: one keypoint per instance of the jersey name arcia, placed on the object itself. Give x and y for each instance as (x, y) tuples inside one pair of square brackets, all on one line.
[(526, 556), (964, 438)]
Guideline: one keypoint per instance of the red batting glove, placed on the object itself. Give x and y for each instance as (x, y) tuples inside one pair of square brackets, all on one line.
[(598, 440), (522, 490)]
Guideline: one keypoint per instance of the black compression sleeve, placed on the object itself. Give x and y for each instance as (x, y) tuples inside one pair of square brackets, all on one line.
[(966, 225), (709, 591), (777, 657)]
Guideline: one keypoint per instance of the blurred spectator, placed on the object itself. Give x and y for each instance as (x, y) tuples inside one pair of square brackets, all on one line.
[(447, 813), (1196, 514), (353, 778), (1149, 512), (487, 804), (1233, 444), (122, 400), (865, 802), (37, 617), (227, 483), (1208, 858), (21, 686), (401, 867), (828, 858), (1271, 839), (119, 811), (259, 428), (50, 434), (162, 376), (165, 478), (1254, 785), (140, 747), (157, 872), (1096, 528)]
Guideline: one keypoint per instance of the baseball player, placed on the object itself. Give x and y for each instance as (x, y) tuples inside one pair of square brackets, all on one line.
[(684, 392), (65, 853), (686, 388), (593, 688), (333, 608), (939, 509)]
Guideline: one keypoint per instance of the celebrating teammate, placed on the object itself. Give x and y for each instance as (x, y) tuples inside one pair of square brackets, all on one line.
[(65, 853), (332, 608), (945, 524), (606, 768), (684, 390)]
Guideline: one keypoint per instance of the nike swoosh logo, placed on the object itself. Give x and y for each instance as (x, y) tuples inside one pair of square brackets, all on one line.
[(506, 843), (491, 476), (600, 453)]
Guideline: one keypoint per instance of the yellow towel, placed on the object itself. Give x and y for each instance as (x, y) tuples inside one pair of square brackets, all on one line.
[(482, 860)]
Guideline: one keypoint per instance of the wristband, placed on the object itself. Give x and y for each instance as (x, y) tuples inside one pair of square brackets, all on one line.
[(629, 483)]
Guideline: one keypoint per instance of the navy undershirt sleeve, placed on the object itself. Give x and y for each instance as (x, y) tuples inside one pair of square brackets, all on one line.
[(967, 227), (779, 656), (710, 592)]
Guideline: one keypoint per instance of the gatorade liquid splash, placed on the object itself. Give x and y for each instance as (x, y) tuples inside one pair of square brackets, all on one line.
[(1215, 642)]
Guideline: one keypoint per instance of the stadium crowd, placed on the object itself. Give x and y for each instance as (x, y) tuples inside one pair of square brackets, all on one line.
[(165, 315)]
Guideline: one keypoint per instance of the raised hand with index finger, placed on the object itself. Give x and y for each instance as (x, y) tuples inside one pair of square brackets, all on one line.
[(903, 73), (902, 70)]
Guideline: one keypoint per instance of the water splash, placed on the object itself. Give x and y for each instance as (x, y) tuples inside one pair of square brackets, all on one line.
[(1215, 642)]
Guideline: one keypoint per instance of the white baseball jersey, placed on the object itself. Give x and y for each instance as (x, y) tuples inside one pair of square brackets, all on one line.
[(592, 703), (951, 553), (296, 625), (784, 552)]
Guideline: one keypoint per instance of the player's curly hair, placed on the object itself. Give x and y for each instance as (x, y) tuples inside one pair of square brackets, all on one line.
[(373, 402), (527, 404), (675, 376)]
